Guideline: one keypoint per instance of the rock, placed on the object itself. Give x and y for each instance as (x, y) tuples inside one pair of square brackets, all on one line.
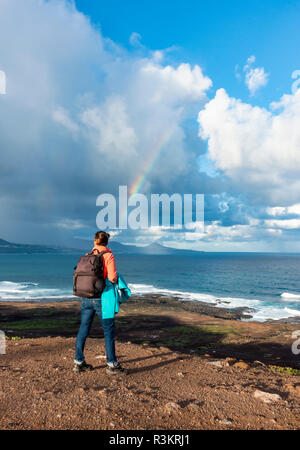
[(195, 407), (180, 374), (289, 387), (294, 388), (164, 349), (49, 394), (100, 357), (219, 363), (241, 365), (100, 392), (230, 360), (172, 407), (266, 397), (39, 391), (225, 422), (259, 363), (80, 390)]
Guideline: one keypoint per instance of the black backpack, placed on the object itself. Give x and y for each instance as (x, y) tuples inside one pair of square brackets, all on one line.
[(88, 281)]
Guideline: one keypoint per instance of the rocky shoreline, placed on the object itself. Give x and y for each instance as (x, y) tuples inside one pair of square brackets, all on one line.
[(209, 309), (202, 307)]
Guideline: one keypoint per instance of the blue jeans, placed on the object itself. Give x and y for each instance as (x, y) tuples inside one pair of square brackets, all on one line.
[(90, 306)]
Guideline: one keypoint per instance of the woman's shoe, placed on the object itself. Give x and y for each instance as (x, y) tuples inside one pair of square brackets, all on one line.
[(116, 369), (82, 367)]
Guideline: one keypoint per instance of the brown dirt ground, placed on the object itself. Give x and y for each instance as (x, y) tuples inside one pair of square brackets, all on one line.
[(172, 383)]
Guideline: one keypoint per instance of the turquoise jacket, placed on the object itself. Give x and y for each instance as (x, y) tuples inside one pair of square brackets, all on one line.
[(112, 296)]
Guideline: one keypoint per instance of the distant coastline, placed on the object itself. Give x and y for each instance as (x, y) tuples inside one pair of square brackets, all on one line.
[(117, 247)]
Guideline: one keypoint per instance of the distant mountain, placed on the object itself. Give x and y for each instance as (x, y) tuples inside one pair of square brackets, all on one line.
[(11, 247), (152, 249), (81, 245)]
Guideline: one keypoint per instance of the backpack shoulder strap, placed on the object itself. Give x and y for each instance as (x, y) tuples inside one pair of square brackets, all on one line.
[(102, 253), (92, 252), (99, 253)]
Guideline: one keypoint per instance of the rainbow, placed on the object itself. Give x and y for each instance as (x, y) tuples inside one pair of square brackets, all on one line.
[(142, 179)]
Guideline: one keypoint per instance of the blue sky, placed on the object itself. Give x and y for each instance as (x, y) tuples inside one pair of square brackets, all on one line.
[(217, 35), (191, 97)]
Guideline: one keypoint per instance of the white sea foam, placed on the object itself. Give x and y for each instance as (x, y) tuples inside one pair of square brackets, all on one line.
[(10, 291), (274, 313), (260, 311), (142, 289), (290, 297)]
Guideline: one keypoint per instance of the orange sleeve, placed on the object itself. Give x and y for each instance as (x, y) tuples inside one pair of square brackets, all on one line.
[(111, 267)]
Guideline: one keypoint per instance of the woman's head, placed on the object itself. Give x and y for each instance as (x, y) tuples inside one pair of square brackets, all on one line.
[(101, 238)]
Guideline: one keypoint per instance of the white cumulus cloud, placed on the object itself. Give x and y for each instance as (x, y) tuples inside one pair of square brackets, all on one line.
[(176, 84), (255, 77), (284, 211), (257, 148)]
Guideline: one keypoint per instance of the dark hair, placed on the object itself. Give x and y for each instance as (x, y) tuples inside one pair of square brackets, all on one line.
[(101, 238)]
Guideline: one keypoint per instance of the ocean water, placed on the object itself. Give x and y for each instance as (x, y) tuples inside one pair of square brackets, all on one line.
[(267, 283)]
